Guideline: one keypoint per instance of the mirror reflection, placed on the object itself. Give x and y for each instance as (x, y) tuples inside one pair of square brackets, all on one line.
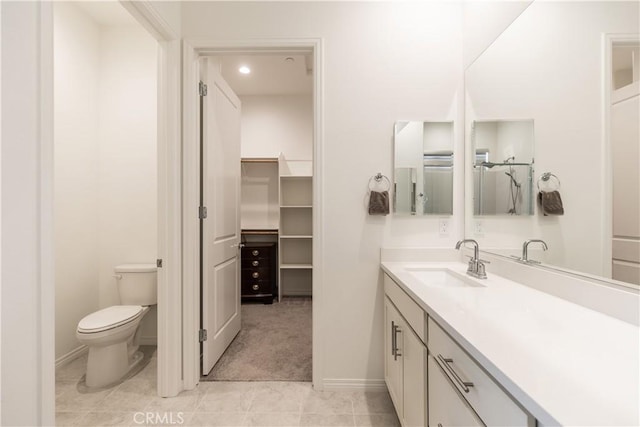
[(503, 167), (423, 177), (578, 80)]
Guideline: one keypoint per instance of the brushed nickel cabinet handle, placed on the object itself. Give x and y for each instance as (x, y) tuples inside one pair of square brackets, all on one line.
[(396, 331), (255, 263), (393, 338), (255, 287), (255, 252), (446, 364), (255, 274)]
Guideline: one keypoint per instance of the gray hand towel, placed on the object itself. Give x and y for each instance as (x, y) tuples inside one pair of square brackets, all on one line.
[(551, 203), (379, 203)]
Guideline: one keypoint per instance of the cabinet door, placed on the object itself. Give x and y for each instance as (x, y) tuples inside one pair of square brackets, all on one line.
[(393, 362), (446, 407), (413, 352)]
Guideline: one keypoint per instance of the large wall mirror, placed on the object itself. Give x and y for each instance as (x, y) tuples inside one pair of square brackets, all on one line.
[(572, 69), (423, 173)]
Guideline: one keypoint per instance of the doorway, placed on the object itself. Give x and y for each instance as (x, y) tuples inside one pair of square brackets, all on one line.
[(623, 94), (290, 181), (105, 184), (275, 214)]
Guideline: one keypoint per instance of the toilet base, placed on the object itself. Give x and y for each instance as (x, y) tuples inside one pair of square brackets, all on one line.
[(108, 365)]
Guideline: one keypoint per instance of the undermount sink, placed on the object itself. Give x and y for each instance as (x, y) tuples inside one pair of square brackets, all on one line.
[(442, 278)]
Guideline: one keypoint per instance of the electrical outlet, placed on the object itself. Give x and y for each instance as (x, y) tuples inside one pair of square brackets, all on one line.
[(478, 228), (443, 226)]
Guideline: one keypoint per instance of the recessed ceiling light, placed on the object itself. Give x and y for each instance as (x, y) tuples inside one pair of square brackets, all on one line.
[(244, 70)]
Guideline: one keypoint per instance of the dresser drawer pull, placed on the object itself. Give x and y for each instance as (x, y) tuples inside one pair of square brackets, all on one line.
[(255, 263), (255, 274), (445, 362), (255, 287), (255, 252)]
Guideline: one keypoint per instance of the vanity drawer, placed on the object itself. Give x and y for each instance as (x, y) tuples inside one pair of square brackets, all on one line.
[(492, 404), (411, 311)]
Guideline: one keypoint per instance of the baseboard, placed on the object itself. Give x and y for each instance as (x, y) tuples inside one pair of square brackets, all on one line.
[(148, 340), (354, 384), (296, 293), (72, 355)]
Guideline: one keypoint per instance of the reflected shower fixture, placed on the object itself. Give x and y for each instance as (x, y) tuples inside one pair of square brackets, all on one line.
[(513, 179)]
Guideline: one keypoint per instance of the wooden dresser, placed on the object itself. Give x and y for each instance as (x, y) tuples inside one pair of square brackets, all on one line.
[(259, 272)]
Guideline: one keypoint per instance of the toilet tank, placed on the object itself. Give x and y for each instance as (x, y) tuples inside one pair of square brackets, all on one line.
[(137, 284)]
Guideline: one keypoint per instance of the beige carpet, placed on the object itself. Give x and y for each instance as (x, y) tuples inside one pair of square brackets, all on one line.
[(274, 344)]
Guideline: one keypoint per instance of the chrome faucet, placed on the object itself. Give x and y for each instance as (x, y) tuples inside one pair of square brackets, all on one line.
[(476, 266), (525, 250)]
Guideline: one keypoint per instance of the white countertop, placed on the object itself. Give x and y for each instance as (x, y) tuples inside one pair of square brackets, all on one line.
[(566, 364)]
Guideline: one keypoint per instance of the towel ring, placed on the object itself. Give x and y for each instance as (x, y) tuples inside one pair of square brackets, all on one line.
[(377, 179), (546, 177)]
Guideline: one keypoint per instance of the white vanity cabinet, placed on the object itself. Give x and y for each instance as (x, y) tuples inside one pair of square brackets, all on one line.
[(405, 361), (438, 384), (478, 391), (446, 407)]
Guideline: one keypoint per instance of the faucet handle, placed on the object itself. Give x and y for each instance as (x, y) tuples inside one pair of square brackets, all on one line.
[(481, 272)]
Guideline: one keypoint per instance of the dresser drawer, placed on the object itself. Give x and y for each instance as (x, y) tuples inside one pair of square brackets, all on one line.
[(256, 287), (409, 309), (253, 252), (255, 262), (492, 404), (263, 273)]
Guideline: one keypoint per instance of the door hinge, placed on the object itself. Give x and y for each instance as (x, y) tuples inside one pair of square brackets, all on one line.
[(202, 212), (202, 335), (202, 89), (159, 263)]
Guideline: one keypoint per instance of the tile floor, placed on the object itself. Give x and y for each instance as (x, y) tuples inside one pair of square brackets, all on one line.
[(135, 403)]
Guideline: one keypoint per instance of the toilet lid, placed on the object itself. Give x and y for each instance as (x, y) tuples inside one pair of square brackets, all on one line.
[(109, 318)]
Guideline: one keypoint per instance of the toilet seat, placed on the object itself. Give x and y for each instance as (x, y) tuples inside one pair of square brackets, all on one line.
[(109, 318)]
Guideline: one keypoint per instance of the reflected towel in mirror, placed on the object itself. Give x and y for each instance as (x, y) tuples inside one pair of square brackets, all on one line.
[(379, 203), (550, 203)]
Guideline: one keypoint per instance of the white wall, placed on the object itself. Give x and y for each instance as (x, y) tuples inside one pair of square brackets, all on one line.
[(76, 145), (483, 21), (382, 62), (127, 211), (547, 66), (105, 164), (272, 124)]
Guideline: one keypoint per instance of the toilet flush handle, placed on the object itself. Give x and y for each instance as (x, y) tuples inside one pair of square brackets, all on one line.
[(118, 276)]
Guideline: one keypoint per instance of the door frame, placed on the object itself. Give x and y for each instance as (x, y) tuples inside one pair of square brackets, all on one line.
[(169, 194), (193, 50)]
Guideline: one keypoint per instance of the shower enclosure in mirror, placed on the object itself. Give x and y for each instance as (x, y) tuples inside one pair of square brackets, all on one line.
[(503, 167), (423, 174)]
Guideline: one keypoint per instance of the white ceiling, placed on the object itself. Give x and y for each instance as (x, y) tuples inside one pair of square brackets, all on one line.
[(271, 74)]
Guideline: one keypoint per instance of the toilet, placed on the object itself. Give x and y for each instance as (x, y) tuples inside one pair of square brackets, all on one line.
[(112, 334)]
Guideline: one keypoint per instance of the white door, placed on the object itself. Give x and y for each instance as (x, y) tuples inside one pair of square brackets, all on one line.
[(221, 227)]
